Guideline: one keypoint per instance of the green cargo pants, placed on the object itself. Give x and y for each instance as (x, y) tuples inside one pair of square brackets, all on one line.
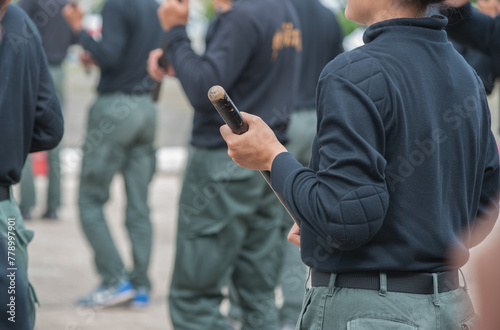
[(120, 136), (27, 186), (229, 226), (27, 183), (15, 238)]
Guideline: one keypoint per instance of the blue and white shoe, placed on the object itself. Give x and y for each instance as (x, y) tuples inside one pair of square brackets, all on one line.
[(141, 298), (106, 296)]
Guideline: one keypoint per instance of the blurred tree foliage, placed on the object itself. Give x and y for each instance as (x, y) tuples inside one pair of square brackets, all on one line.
[(209, 9), (347, 25)]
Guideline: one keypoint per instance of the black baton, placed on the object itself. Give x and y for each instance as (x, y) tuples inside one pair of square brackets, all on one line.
[(162, 63), (228, 111)]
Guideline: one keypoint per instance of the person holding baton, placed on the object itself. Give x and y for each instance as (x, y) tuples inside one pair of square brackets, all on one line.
[(404, 169)]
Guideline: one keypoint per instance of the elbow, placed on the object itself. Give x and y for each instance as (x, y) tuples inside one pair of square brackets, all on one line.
[(357, 218), (45, 138)]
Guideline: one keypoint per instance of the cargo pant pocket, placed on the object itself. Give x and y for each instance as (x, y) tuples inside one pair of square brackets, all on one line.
[(378, 324), (313, 309), (471, 323), (24, 238)]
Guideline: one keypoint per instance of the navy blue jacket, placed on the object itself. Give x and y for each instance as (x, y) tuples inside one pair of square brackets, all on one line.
[(404, 162), (54, 30), (30, 113), (248, 56), (130, 31)]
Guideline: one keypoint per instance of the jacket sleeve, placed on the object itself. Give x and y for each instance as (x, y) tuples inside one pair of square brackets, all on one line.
[(489, 200), (343, 197), (222, 63), (48, 128), (108, 50), (472, 28)]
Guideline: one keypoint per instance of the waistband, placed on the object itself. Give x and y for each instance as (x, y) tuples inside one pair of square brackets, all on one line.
[(4, 193), (406, 282)]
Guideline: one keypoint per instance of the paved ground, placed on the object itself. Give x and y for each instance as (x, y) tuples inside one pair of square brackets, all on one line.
[(60, 259)]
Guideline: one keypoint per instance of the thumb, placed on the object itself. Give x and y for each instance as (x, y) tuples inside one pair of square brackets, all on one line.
[(225, 131)]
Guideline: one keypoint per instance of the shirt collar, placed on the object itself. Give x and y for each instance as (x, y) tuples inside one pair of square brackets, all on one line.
[(435, 22)]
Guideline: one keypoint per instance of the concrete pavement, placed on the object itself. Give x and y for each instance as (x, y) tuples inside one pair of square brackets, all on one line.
[(61, 266)]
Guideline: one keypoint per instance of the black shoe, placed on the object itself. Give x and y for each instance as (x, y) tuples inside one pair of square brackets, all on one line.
[(50, 214), (26, 214)]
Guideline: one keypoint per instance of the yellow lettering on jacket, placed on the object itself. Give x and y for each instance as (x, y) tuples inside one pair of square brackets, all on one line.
[(286, 37)]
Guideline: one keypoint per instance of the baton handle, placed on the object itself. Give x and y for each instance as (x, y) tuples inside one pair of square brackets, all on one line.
[(232, 117)]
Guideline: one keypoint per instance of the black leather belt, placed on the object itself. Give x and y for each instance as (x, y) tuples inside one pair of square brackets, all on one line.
[(407, 282), (4, 193)]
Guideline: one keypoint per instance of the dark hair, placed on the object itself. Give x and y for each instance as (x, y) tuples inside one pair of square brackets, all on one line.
[(424, 4)]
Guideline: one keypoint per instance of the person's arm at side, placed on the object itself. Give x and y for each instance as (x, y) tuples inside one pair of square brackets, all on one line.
[(48, 129), (155, 71), (489, 200), (108, 50), (221, 64), (474, 29)]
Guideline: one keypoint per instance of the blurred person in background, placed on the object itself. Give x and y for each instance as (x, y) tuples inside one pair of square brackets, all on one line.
[(31, 121), (56, 38), (229, 221), (472, 28), (120, 135), (486, 65), (322, 38), (479, 32), (489, 7)]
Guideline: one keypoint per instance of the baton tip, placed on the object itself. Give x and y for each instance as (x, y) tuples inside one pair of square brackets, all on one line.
[(216, 93)]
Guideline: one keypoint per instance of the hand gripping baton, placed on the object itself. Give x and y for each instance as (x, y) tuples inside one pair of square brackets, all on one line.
[(228, 111)]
